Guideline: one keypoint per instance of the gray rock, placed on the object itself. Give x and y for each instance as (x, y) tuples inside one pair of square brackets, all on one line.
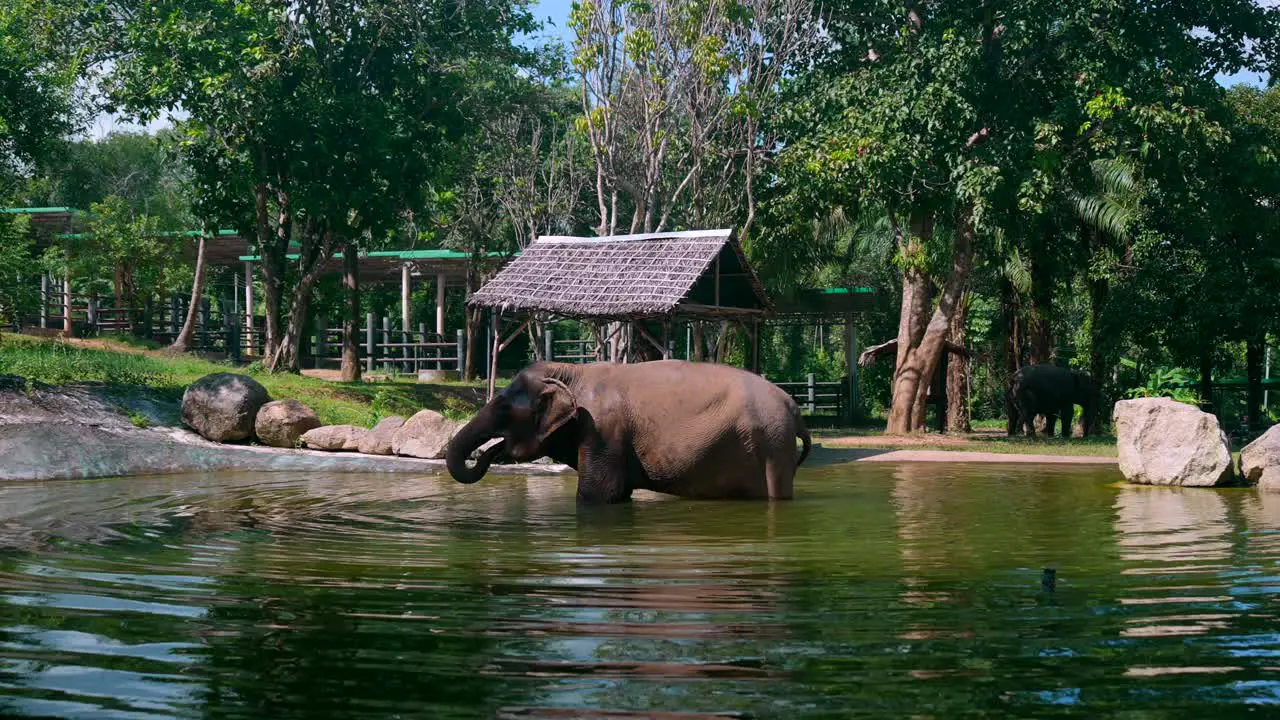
[(223, 406), (67, 451), (381, 438), (1165, 442), (425, 435), (335, 437), (281, 423), (1260, 459)]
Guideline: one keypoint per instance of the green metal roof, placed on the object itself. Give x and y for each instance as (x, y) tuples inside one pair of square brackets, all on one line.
[(847, 291), (38, 210), (166, 233)]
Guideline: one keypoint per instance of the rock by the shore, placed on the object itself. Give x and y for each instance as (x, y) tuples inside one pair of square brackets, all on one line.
[(1260, 461), (281, 423), (1165, 442), (425, 435), (381, 439), (335, 437), (223, 406)]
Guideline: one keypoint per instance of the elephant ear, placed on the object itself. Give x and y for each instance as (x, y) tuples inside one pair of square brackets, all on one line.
[(556, 406)]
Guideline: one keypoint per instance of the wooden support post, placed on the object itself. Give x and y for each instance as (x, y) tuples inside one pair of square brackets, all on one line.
[(91, 316), (44, 301), (420, 353), (688, 341), (500, 344), (232, 330), (406, 322), (204, 324), (549, 342), (440, 285), (717, 302), (386, 340), (809, 384), (322, 340), (462, 351), (370, 351), (174, 310), (248, 304), (851, 350), (66, 304), (495, 329)]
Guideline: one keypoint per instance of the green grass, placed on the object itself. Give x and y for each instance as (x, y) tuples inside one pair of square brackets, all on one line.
[(54, 362)]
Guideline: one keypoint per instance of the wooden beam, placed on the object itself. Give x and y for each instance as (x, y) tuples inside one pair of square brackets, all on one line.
[(652, 340), (717, 302)]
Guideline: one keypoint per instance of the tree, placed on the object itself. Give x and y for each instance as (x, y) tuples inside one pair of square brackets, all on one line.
[(955, 121), (381, 88), (38, 71)]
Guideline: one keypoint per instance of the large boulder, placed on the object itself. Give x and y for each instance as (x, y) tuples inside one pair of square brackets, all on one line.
[(223, 406), (1165, 442), (381, 439), (281, 423), (425, 435), (1260, 460), (334, 437)]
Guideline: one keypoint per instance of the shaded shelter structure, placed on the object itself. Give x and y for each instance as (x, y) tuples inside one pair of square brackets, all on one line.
[(628, 283)]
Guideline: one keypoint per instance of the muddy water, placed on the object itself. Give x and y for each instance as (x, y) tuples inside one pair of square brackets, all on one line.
[(882, 591)]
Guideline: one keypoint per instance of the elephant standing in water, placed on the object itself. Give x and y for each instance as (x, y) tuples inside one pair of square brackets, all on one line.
[(695, 430), (1054, 392)]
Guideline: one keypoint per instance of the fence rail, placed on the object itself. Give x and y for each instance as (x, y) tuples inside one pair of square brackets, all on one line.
[(818, 397)]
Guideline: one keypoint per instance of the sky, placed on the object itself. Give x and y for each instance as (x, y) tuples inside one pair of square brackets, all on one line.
[(556, 14)]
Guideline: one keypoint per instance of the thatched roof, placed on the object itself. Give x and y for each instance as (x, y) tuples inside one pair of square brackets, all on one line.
[(629, 276)]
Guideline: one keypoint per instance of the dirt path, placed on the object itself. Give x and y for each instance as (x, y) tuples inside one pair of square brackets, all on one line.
[(837, 455)]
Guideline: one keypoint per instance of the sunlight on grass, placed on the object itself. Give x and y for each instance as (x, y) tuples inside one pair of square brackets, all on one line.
[(54, 362)]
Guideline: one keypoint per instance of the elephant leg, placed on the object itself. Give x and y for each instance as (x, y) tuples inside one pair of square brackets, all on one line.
[(602, 477), (1068, 420), (780, 475), (1049, 422)]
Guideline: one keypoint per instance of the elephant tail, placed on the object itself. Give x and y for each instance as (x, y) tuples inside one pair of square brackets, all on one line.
[(803, 433)]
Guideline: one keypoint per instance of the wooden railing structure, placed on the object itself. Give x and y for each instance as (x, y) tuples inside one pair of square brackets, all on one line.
[(819, 398)]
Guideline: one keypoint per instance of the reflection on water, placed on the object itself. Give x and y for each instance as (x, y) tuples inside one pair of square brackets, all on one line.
[(882, 590)]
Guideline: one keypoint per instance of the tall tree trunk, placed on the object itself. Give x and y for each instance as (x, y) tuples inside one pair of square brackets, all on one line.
[(918, 360), (315, 253), (958, 372), (1039, 330), (182, 343), (698, 337), (1206, 376), (1255, 347), (273, 248), (907, 412), (351, 318)]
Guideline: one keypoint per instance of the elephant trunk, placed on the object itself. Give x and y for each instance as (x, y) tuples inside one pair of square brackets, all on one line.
[(471, 436)]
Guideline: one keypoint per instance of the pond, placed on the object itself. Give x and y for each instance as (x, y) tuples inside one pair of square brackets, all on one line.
[(881, 591)]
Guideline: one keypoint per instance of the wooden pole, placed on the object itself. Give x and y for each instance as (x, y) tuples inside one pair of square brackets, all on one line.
[(440, 285), (406, 323), (717, 302), (44, 302), (496, 324), (248, 305), (66, 304), (851, 368)]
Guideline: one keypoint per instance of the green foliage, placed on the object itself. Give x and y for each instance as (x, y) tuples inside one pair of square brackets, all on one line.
[(57, 363), (17, 293), (1165, 382)]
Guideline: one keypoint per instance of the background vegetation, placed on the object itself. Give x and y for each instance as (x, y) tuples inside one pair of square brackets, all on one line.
[(1038, 182)]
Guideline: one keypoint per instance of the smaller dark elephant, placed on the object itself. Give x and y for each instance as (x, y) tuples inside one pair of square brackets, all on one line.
[(1053, 392)]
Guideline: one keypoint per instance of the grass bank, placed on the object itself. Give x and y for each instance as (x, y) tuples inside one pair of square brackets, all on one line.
[(134, 367)]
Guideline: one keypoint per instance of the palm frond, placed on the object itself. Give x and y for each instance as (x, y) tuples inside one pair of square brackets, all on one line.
[(1018, 272)]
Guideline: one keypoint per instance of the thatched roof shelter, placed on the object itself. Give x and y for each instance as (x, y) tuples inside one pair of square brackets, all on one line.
[(689, 274)]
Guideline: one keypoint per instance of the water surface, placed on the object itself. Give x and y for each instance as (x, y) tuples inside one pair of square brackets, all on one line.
[(881, 591)]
